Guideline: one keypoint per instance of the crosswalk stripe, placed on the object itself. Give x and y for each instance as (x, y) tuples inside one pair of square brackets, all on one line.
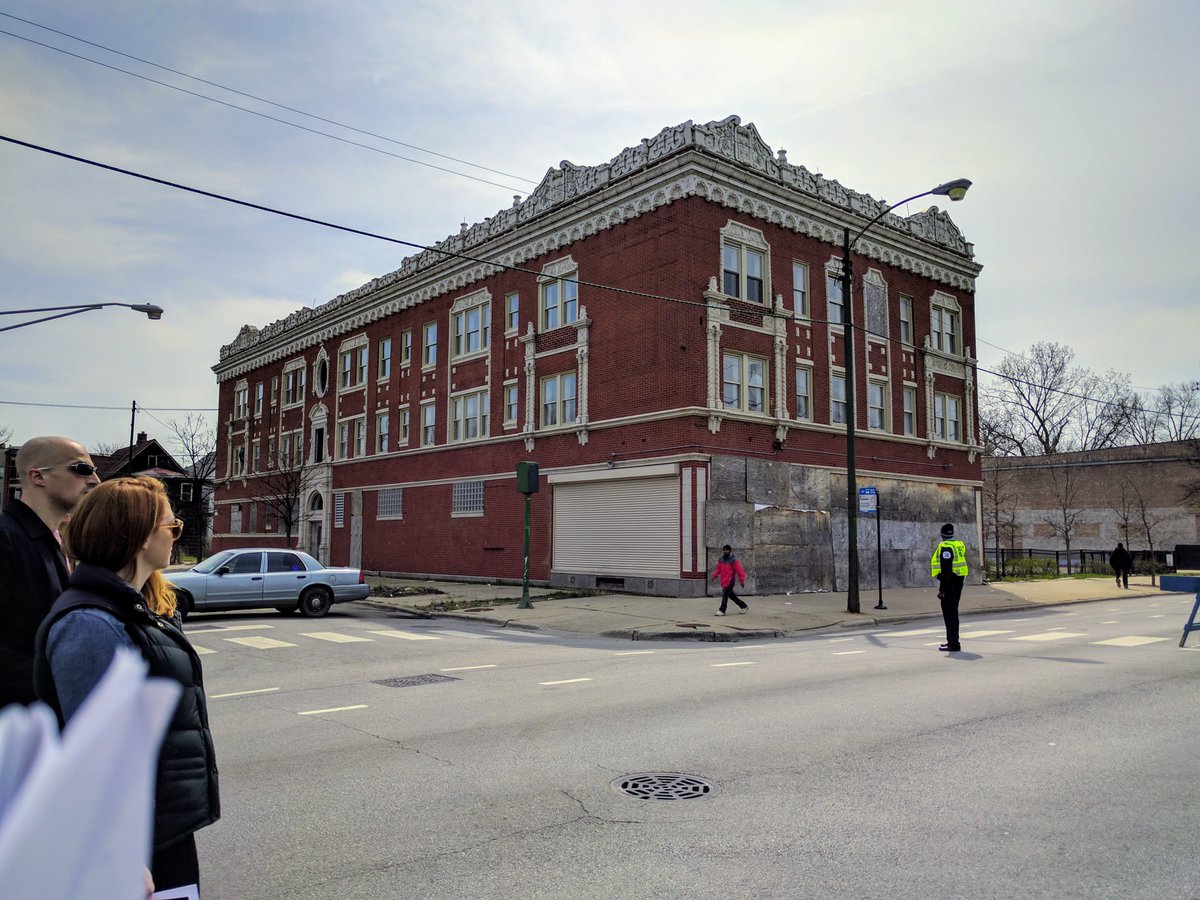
[(982, 634), (333, 709), (913, 633), (407, 635), (1050, 636), (335, 637), (259, 643), (463, 634), (849, 652), (205, 629), (723, 665), (566, 681), (1132, 640), (517, 631), (243, 693), (202, 650)]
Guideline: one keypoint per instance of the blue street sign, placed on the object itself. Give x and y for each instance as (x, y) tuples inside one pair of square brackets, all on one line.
[(868, 500)]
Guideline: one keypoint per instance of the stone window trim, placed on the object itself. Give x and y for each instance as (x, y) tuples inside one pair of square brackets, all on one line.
[(946, 303), (459, 423), (745, 237), (560, 275), (833, 275), (878, 389), (320, 367), (512, 312), (746, 387), (511, 384), (804, 401), (481, 299), (801, 290), (837, 376), (876, 322), (384, 363), (428, 346), (300, 368)]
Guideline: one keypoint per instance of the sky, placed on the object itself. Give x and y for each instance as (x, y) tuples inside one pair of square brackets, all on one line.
[(1075, 119)]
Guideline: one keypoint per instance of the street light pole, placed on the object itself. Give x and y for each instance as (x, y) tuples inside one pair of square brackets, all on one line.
[(955, 190), (61, 312)]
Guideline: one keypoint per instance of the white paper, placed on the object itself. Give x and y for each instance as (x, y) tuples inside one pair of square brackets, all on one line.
[(79, 824)]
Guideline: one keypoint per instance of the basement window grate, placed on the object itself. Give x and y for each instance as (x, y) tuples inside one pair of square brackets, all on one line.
[(414, 680), (664, 786)]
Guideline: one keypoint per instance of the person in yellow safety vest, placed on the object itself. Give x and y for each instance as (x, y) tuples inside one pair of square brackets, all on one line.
[(949, 567)]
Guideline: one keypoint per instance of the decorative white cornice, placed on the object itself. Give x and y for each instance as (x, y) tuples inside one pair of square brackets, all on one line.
[(721, 162)]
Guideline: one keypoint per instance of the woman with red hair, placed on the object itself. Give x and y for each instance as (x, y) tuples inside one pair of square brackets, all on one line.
[(120, 537)]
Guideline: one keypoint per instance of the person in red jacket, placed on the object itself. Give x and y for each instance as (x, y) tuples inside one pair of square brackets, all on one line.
[(727, 569)]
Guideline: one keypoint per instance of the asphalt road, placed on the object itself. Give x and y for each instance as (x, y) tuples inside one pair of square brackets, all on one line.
[(1056, 756)]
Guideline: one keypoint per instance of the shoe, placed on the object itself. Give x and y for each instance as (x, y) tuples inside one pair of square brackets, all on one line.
[(946, 648), (720, 613), (743, 610)]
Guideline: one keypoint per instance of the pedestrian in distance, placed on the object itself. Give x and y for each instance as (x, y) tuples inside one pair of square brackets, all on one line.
[(728, 570), (949, 567), (1122, 562), (55, 473), (120, 536)]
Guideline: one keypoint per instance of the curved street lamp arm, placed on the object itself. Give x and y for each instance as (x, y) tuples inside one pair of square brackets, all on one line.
[(73, 312)]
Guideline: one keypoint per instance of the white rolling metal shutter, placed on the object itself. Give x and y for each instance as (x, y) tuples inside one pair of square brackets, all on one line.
[(617, 527)]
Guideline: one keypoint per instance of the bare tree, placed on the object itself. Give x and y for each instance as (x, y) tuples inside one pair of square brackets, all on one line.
[(999, 509), (1062, 520), (1040, 404), (1124, 505), (5, 434), (107, 448), (1191, 489), (1178, 406), (281, 489), (197, 443), (1147, 521)]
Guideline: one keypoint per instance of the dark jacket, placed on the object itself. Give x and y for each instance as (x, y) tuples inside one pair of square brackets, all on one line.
[(1120, 560), (33, 573), (186, 796)]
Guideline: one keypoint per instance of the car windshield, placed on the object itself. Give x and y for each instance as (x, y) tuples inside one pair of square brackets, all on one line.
[(213, 562)]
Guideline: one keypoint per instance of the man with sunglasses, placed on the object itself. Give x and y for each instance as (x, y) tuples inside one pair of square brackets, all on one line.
[(55, 473)]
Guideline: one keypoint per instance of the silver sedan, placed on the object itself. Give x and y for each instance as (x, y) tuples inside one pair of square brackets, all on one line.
[(256, 577)]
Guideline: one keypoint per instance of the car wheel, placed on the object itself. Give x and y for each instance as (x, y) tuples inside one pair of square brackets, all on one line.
[(183, 603), (286, 610), (315, 602)]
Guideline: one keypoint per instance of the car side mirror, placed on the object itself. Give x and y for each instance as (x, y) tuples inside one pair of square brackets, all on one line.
[(224, 570)]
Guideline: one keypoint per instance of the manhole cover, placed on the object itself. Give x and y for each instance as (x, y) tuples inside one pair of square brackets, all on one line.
[(414, 680), (664, 786)]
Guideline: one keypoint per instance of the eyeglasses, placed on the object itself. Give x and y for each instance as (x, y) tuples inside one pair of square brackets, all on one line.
[(176, 529), (82, 469)]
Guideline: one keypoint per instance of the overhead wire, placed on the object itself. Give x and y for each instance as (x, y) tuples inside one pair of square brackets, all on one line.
[(280, 121)]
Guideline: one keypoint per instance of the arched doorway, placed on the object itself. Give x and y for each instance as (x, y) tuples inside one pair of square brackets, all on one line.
[(316, 522)]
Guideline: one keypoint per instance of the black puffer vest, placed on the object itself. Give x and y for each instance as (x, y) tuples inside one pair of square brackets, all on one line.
[(186, 796)]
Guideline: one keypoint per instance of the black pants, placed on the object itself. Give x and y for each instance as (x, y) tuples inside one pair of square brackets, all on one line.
[(1122, 576), (727, 594), (951, 590), (176, 865)]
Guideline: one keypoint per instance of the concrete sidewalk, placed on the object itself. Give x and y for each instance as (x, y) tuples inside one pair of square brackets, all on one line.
[(631, 617)]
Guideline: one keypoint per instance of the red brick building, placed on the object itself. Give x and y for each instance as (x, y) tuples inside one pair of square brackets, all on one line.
[(660, 333)]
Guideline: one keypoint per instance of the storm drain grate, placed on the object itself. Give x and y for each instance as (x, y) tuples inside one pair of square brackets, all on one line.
[(414, 680), (664, 786)]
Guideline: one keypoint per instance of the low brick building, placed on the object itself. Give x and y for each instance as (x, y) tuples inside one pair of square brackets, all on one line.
[(1130, 494), (663, 334)]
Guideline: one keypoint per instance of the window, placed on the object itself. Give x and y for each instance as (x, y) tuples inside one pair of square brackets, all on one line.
[(467, 499), (429, 351), (877, 405), (255, 456), (402, 429), (339, 510), (275, 390), (943, 329), (837, 399), (241, 401), (906, 320), (238, 460), (293, 386), (743, 272), (185, 492), (271, 452), (945, 417), (318, 445), (344, 441), (469, 416), (837, 302), (285, 562), (347, 368), (744, 383), (406, 347), (235, 519), (428, 424), (360, 437), (382, 423), (875, 304), (512, 312), (472, 329), (253, 523), (511, 403), (390, 503), (800, 288), (298, 455), (560, 301), (258, 399), (385, 358), (804, 393), (559, 399), (910, 410)]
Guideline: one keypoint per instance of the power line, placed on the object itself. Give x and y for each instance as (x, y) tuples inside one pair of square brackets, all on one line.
[(282, 121), (766, 312), (121, 408)]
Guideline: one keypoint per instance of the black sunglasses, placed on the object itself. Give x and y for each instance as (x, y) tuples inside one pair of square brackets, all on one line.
[(82, 469)]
